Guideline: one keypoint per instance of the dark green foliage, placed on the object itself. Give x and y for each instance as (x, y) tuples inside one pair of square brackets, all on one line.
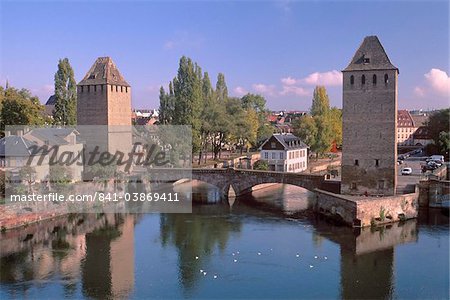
[(65, 112)]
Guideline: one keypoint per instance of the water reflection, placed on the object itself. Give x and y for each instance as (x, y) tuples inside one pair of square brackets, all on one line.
[(196, 236), (94, 256), (95, 247)]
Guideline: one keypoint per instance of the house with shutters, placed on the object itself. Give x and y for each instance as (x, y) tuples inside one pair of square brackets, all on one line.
[(284, 152)]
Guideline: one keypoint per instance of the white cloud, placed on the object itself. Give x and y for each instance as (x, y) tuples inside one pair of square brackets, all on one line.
[(330, 78), (439, 81), (288, 81), (294, 90), (240, 91), (268, 90)]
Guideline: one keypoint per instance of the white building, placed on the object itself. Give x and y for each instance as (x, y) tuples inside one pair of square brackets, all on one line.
[(285, 153)]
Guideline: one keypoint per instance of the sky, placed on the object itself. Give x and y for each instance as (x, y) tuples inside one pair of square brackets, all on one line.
[(280, 49)]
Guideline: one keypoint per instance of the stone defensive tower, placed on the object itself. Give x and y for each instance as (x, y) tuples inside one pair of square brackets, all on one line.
[(369, 148), (104, 109), (103, 96)]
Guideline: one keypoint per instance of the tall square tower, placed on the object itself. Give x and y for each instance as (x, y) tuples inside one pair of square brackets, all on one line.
[(369, 112)]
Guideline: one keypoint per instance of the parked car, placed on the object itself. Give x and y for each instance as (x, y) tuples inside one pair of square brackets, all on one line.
[(399, 161), (433, 164), (406, 171)]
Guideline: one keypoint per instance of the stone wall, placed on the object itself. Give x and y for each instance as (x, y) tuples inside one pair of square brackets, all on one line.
[(369, 133), (367, 211)]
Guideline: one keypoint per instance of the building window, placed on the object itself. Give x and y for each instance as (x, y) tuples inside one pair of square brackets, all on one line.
[(363, 79), (111, 88), (121, 89), (95, 88), (89, 88), (380, 184), (374, 79), (273, 155), (281, 155), (117, 88), (377, 162), (266, 155), (353, 186), (366, 60), (352, 79), (101, 87), (126, 89), (356, 162), (81, 88), (273, 145), (386, 78)]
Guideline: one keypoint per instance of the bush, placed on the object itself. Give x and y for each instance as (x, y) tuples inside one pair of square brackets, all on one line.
[(261, 165)]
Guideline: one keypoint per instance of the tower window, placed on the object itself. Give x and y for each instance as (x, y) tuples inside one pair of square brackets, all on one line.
[(386, 78), (380, 184), (352, 79), (121, 88), (377, 162), (101, 86), (366, 60), (353, 186), (363, 79), (374, 79), (356, 162), (117, 88), (95, 88), (126, 89), (89, 88), (111, 88), (81, 88)]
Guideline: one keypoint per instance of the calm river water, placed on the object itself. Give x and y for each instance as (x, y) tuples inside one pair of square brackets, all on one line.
[(268, 245)]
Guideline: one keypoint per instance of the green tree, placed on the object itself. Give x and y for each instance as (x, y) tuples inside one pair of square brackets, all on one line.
[(261, 165), (320, 103), (65, 112), (335, 117), (306, 129), (19, 107), (221, 88), (438, 127)]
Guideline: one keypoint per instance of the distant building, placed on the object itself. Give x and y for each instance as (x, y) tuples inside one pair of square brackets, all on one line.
[(369, 147), (285, 153), (422, 137), (405, 128), (407, 125), (50, 105)]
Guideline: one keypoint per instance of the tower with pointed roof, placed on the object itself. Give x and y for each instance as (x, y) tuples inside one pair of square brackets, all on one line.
[(103, 96), (369, 112)]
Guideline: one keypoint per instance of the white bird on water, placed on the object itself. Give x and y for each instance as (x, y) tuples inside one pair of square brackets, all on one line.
[(325, 257), (196, 257), (235, 260), (204, 273), (215, 276), (201, 271), (259, 253), (297, 255), (315, 256), (311, 266)]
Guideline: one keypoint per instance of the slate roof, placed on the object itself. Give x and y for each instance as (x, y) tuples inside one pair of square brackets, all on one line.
[(51, 100), (103, 71), (288, 141), (370, 56), (15, 146), (53, 136)]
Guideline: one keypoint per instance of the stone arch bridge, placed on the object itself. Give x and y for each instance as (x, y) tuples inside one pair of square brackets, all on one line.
[(241, 181)]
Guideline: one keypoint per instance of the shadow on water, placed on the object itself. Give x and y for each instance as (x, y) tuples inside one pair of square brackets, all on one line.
[(196, 237), (92, 255)]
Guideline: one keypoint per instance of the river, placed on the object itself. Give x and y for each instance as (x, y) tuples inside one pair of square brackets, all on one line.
[(267, 245)]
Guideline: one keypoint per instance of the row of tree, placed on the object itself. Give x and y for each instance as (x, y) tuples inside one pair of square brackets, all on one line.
[(323, 126), (216, 118)]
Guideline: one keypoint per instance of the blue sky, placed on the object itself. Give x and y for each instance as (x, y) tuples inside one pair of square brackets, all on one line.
[(280, 49)]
